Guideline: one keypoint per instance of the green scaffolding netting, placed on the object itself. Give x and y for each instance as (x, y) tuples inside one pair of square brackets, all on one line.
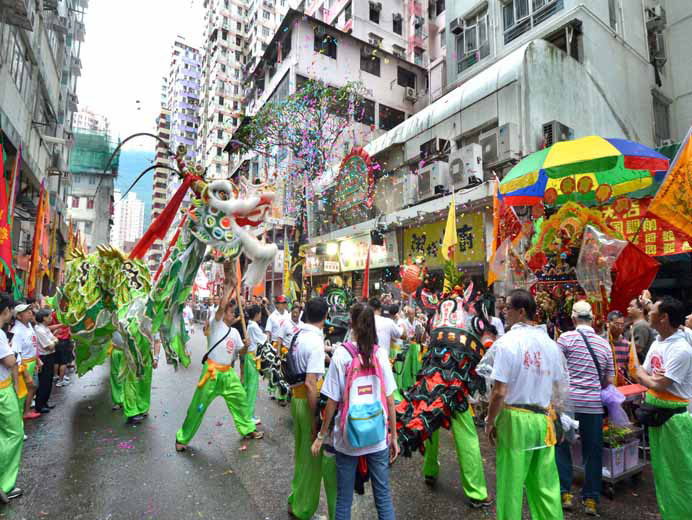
[(91, 152)]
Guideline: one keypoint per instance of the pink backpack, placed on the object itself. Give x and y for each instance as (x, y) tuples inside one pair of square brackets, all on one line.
[(363, 420)]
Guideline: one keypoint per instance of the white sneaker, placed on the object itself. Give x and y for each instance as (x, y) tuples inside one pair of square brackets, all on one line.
[(61, 383), (257, 420), (67, 379), (26, 437)]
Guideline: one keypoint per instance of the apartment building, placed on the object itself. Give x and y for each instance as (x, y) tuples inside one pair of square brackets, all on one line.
[(518, 75), (87, 119), (162, 175), (40, 45), (128, 221)]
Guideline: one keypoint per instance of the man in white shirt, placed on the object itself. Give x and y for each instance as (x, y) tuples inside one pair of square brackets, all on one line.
[(387, 330), (275, 322), (291, 326), (26, 343), (309, 471), (218, 377), (667, 373), (250, 377), (12, 430), (528, 370)]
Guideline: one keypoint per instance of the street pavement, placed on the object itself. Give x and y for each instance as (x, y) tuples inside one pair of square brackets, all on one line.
[(82, 462)]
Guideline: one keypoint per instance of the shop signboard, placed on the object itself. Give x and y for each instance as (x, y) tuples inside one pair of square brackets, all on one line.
[(652, 235), (353, 253), (426, 241), (330, 266)]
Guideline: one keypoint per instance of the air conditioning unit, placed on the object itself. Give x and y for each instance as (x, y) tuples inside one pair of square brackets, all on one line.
[(488, 142), (508, 146), (655, 18), (433, 179), (456, 26), (434, 148), (466, 166), (411, 95), (554, 132)]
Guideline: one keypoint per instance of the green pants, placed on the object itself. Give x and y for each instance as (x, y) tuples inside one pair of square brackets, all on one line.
[(671, 461), (251, 382), (137, 392), (522, 462), (116, 382), (227, 385), (309, 471), (11, 438), (468, 455), (30, 370)]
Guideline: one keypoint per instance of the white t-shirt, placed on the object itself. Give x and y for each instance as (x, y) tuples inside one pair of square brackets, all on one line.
[(529, 362), (187, 315), (288, 330), (386, 331), (5, 351), (275, 322), (499, 326), (407, 328), (674, 355), (46, 340), (212, 312), (334, 387), (255, 335), (310, 350), (227, 351), (24, 340)]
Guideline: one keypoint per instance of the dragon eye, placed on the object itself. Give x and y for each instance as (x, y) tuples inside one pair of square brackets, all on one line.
[(222, 195)]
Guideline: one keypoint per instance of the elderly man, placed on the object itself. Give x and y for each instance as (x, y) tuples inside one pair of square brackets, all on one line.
[(25, 344), (667, 373), (529, 372), (590, 366)]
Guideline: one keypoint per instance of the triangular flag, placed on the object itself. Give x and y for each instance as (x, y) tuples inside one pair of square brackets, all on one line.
[(450, 241)]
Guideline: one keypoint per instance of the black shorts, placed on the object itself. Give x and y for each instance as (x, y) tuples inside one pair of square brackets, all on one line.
[(63, 352)]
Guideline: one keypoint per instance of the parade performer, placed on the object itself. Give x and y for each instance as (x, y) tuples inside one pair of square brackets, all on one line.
[(11, 425), (116, 381), (529, 373), (308, 470), (218, 377), (275, 321), (25, 342), (251, 374), (667, 373), (137, 387)]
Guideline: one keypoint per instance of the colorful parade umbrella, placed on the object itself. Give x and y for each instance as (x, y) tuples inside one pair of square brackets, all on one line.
[(590, 170)]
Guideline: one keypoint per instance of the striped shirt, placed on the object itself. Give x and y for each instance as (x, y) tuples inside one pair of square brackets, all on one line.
[(585, 388)]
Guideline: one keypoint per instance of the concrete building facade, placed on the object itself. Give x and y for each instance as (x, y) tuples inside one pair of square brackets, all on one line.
[(128, 221)]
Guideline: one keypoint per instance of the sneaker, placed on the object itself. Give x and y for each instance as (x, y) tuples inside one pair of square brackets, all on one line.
[(15, 493), (478, 504), (67, 379), (590, 507), (26, 436), (567, 501), (136, 419), (116, 407), (60, 383), (32, 415)]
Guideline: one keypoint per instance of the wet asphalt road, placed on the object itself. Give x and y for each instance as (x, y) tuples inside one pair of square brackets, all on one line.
[(82, 462)]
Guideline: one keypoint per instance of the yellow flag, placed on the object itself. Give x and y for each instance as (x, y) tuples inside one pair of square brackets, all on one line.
[(450, 240), (673, 202)]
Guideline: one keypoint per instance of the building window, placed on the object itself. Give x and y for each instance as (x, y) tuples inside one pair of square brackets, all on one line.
[(473, 44), (390, 117), (75, 202), (365, 112), (219, 152), (661, 120), (405, 78), (369, 63), (90, 203), (92, 179), (443, 38), (520, 16), (325, 44), (398, 24), (348, 12), (219, 134), (221, 100), (266, 15), (418, 56), (220, 118), (218, 168), (19, 66), (265, 31), (439, 7), (375, 12), (88, 226)]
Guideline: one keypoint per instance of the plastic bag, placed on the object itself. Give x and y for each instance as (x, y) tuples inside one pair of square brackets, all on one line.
[(612, 399)]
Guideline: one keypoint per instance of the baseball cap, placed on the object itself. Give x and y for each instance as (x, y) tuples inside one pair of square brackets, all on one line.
[(21, 308), (582, 309), (280, 299)]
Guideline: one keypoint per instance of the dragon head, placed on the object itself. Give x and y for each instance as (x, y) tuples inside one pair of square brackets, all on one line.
[(228, 217)]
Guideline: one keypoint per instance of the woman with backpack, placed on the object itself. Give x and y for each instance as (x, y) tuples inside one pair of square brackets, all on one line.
[(360, 390)]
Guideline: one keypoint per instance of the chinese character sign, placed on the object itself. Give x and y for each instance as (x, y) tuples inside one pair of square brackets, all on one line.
[(654, 236), (426, 240)]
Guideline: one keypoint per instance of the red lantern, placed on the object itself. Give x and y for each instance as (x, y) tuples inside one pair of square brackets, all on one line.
[(411, 278)]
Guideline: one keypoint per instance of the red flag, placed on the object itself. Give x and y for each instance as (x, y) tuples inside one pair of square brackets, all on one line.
[(5, 235), (366, 277), (170, 246), (38, 239), (14, 186), (634, 272)]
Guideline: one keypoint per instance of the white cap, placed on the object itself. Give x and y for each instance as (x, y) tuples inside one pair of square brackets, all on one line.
[(582, 309), (21, 308)]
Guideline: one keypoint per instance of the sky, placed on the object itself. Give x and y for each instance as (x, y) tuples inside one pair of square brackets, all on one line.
[(126, 53)]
